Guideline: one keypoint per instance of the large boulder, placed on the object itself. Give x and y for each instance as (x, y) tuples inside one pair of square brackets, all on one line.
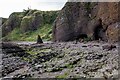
[(69, 22), (113, 32), (77, 18)]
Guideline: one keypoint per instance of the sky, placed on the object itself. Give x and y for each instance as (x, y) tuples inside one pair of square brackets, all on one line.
[(9, 6)]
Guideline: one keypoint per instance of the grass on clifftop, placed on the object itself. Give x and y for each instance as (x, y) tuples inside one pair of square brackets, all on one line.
[(44, 31)]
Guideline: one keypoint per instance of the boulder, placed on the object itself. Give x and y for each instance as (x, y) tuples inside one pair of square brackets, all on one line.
[(108, 47), (39, 40), (113, 32)]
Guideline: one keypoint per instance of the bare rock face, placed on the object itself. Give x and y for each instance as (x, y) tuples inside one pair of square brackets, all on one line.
[(69, 22), (77, 18)]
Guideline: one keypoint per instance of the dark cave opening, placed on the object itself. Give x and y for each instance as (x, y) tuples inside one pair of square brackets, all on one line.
[(99, 32)]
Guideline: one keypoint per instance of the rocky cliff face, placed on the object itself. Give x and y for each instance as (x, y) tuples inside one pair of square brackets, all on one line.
[(12, 22), (96, 20), (28, 20), (3, 20)]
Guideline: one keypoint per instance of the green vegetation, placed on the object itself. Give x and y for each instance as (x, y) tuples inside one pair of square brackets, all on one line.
[(44, 31), (14, 35), (37, 51), (63, 75), (87, 39), (27, 25), (69, 65), (55, 69)]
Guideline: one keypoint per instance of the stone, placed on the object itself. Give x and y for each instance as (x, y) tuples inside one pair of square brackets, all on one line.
[(93, 56), (113, 32), (37, 67), (89, 63), (108, 47), (39, 40)]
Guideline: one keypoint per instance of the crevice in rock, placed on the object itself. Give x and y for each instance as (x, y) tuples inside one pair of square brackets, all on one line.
[(99, 31)]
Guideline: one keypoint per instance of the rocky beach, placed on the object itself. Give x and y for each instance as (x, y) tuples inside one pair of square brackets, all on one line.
[(79, 41), (60, 60)]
